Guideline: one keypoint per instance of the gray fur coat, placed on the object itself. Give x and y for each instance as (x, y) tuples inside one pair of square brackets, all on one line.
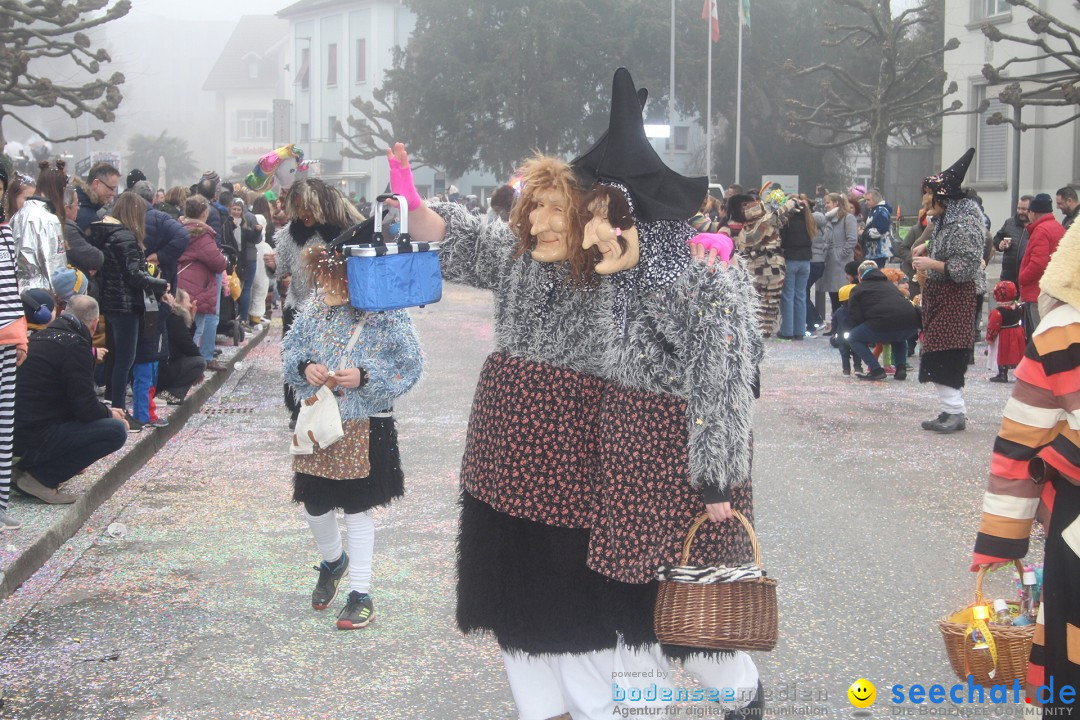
[(289, 263), (539, 315), (958, 240), (698, 339)]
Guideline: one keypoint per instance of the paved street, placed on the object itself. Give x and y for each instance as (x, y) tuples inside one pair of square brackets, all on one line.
[(201, 609)]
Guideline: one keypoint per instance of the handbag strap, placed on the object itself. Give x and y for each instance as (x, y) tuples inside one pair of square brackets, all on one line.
[(352, 341)]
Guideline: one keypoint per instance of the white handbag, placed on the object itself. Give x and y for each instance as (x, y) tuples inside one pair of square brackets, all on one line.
[(319, 420)]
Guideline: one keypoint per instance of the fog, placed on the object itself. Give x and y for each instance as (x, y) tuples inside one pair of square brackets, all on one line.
[(166, 51)]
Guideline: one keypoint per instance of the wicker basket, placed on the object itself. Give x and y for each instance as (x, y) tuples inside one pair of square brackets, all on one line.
[(1012, 642), (740, 615)]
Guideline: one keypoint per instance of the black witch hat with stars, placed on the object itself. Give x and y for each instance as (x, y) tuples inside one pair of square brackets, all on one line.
[(946, 184)]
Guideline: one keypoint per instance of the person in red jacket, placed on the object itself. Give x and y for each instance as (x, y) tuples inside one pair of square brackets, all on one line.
[(199, 274), (1044, 234)]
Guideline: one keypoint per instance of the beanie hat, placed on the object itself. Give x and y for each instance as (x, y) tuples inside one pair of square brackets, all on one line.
[(1041, 203), (69, 282), (134, 176), (866, 266), (845, 292), (38, 306), (143, 189)]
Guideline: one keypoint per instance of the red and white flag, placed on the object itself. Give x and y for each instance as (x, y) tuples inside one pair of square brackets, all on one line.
[(710, 13)]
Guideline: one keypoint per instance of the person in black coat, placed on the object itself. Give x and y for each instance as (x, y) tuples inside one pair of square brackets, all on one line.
[(166, 239), (60, 425), (124, 284), (796, 241), (185, 364), (245, 235), (1011, 240), (878, 312)]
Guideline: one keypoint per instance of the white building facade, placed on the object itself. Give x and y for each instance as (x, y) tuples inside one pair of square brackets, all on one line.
[(341, 50), (1049, 159), (247, 78)]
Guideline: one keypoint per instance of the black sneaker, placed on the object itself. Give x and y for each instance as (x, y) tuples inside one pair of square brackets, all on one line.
[(357, 613), (875, 374), (133, 424), (329, 577)]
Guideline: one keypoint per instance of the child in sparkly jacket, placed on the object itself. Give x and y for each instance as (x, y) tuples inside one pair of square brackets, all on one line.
[(362, 470)]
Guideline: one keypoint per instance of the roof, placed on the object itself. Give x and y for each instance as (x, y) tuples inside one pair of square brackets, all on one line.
[(258, 39), (305, 6)]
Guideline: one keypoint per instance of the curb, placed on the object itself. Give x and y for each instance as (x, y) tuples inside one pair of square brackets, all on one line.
[(63, 529)]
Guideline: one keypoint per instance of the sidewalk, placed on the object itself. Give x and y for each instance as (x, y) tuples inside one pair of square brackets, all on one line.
[(45, 528)]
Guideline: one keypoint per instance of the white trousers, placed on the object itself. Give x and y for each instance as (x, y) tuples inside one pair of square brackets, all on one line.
[(586, 684), (951, 399)]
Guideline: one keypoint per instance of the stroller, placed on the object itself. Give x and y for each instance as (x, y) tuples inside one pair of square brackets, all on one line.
[(229, 309)]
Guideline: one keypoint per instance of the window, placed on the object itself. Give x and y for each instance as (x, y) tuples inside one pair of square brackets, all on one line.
[(253, 70), (361, 60), (992, 141), (252, 125), (679, 140), (331, 123), (331, 65), (305, 132), (990, 8), (303, 76)]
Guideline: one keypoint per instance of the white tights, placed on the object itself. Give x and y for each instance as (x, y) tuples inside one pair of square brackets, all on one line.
[(360, 536)]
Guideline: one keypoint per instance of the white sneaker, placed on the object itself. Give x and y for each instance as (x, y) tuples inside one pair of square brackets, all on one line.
[(7, 522)]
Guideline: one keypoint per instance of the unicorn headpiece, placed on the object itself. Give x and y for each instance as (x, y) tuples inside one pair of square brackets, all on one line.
[(280, 165)]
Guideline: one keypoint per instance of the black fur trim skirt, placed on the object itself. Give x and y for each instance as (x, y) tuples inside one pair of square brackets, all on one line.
[(527, 584), (944, 367), (384, 483)]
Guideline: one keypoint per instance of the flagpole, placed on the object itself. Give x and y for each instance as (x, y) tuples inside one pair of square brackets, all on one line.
[(738, 100), (708, 106), (671, 81)]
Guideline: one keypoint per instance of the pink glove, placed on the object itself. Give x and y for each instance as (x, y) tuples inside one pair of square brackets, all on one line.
[(720, 242), (401, 183)]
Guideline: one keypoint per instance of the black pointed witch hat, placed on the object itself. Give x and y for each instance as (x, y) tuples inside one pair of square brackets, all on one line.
[(947, 183), (624, 154)]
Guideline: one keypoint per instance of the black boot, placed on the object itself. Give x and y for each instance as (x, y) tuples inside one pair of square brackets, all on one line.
[(1002, 376)]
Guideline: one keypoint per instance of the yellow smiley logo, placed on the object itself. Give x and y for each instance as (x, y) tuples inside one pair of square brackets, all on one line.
[(862, 693)]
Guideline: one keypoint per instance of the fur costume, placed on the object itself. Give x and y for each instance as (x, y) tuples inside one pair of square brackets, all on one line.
[(357, 473), (759, 243), (290, 242), (948, 302)]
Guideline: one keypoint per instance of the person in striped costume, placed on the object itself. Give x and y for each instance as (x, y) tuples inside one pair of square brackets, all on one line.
[(1035, 472), (13, 342)]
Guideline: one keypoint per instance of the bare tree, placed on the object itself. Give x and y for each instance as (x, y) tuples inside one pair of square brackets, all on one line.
[(1053, 40), (903, 98), (37, 29)]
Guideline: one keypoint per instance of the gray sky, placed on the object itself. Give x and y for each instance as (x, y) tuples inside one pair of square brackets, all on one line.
[(215, 9)]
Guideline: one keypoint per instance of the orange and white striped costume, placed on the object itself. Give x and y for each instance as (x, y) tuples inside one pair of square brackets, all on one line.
[(1035, 471)]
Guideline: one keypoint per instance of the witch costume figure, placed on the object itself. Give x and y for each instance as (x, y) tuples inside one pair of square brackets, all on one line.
[(369, 360), (951, 260), (758, 242), (675, 418)]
